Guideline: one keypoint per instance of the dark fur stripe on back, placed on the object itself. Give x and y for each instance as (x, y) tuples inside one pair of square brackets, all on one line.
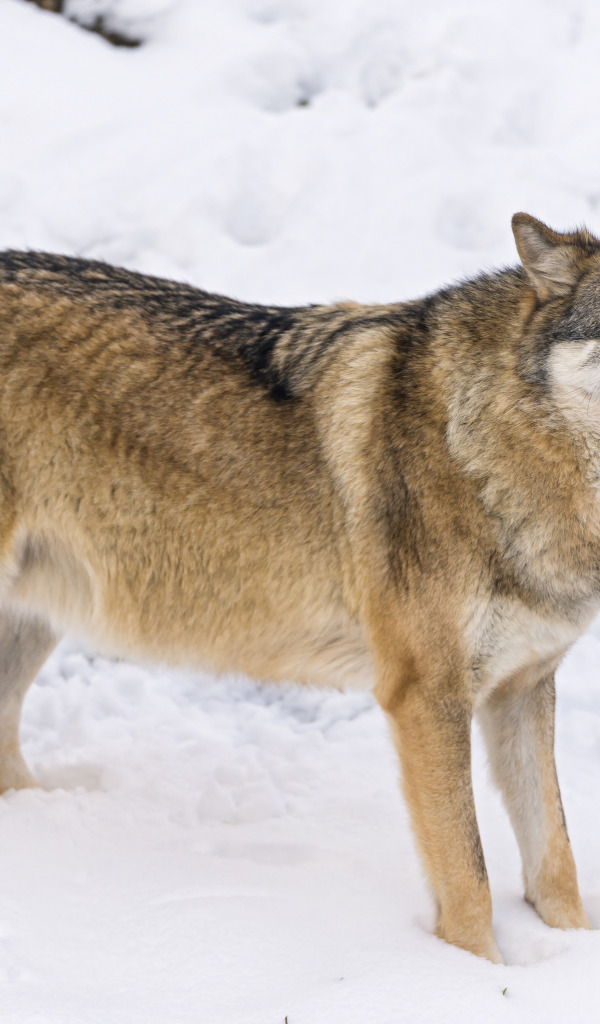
[(280, 347)]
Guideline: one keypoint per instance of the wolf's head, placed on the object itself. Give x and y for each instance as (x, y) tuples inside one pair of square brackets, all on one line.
[(564, 272)]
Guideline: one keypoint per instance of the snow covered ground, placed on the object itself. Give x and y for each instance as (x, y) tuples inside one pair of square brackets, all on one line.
[(213, 851)]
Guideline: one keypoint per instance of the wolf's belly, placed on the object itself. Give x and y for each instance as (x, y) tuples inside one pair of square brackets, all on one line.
[(180, 609)]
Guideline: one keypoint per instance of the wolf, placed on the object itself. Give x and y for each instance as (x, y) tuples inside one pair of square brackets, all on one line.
[(401, 496)]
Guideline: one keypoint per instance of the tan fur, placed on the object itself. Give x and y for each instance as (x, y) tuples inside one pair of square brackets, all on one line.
[(401, 496)]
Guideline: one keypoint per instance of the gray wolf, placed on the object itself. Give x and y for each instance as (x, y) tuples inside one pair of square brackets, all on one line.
[(404, 496)]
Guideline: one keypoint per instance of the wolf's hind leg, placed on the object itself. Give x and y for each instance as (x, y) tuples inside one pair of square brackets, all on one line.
[(25, 643), (518, 725)]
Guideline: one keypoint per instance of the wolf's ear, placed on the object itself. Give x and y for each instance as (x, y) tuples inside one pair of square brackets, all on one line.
[(549, 258)]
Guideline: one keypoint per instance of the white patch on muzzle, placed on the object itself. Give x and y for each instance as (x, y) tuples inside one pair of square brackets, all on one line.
[(574, 369)]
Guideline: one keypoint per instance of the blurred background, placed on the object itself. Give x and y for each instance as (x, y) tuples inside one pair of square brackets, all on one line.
[(297, 150)]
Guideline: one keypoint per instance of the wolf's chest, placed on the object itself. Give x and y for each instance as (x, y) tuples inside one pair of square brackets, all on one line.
[(510, 638)]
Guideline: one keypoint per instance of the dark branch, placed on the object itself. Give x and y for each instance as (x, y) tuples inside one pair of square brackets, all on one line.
[(99, 25)]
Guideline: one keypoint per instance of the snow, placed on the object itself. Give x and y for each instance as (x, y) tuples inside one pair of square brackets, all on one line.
[(216, 851)]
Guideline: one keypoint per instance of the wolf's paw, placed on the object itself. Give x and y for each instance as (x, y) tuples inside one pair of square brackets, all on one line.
[(560, 913), (479, 941), (14, 773)]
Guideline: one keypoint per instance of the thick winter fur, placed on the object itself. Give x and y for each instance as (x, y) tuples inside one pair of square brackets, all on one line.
[(406, 495)]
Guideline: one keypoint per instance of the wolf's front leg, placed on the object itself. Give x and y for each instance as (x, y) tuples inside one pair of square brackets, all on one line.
[(518, 725), (25, 643), (432, 734)]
